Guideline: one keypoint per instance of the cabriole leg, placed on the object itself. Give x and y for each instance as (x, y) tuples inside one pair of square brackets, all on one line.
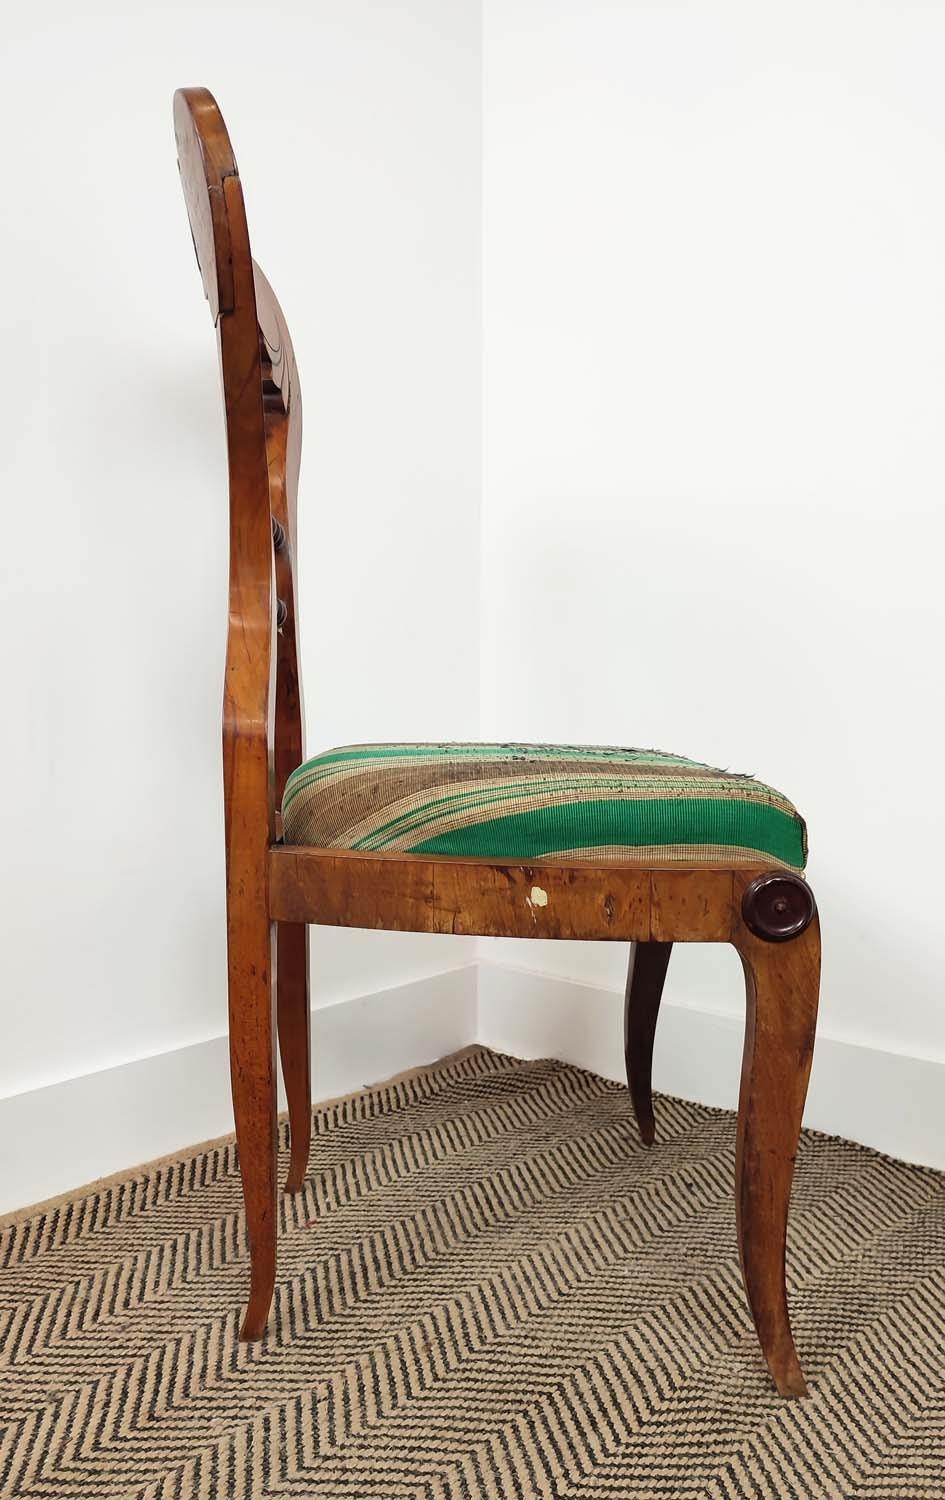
[(645, 978), (295, 1043), (779, 943)]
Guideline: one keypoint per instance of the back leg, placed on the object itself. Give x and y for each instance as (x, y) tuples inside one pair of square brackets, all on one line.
[(294, 1018), (645, 978), (253, 1077)]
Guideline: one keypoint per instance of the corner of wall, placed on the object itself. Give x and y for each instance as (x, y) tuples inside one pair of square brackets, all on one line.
[(698, 1056)]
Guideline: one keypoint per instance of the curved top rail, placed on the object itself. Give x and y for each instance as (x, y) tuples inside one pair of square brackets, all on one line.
[(205, 157), (262, 732)]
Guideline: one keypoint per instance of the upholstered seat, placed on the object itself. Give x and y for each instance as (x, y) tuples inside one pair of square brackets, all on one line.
[(534, 802)]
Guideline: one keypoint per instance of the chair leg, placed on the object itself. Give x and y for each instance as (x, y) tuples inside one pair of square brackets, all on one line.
[(295, 1043), (253, 1078), (645, 977), (782, 986)]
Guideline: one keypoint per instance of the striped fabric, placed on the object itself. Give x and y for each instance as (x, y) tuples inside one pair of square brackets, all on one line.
[(539, 802)]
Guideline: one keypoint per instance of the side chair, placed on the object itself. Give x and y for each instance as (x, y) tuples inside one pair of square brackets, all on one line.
[(506, 840)]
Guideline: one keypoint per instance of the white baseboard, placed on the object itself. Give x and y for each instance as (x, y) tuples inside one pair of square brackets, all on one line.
[(884, 1099), (53, 1139), (69, 1133)]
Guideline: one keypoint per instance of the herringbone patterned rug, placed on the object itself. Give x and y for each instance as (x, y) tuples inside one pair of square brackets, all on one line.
[(488, 1288)]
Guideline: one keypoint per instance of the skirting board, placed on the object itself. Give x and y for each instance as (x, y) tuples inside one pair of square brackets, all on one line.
[(69, 1133), (888, 1100), (55, 1138)]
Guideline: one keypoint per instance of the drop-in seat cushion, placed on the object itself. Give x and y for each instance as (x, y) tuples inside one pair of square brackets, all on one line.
[(539, 802)]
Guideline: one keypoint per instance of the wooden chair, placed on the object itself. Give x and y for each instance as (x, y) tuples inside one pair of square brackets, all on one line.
[(649, 894)]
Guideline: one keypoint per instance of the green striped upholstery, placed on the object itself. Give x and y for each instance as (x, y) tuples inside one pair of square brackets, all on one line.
[(534, 802)]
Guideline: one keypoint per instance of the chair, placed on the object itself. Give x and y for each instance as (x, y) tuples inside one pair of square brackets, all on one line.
[(502, 840)]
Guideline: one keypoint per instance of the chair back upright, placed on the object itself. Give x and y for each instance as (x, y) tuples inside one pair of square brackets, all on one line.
[(263, 736)]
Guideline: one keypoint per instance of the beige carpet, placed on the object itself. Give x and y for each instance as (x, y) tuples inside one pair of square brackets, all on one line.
[(488, 1288)]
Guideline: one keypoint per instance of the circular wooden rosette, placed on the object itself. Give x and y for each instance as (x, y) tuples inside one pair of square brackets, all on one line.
[(778, 906)]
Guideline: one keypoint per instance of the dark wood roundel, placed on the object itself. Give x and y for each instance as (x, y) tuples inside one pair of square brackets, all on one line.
[(778, 906)]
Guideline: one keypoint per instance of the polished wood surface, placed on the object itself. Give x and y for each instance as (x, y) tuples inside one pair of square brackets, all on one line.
[(294, 1021), (645, 979), (488, 898), (782, 988), (221, 240), (275, 892), (282, 404)]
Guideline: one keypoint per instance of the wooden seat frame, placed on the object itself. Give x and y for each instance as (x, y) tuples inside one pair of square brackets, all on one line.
[(274, 891)]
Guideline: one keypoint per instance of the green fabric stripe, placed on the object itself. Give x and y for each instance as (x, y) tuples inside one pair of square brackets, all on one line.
[(488, 796), (661, 821)]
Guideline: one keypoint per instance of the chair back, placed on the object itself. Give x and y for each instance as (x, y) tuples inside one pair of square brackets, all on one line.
[(263, 736)]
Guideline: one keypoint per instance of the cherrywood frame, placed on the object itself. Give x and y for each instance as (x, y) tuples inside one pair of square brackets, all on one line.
[(274, 891)]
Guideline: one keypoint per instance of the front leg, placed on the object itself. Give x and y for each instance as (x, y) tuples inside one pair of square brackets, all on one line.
[(778, 939)]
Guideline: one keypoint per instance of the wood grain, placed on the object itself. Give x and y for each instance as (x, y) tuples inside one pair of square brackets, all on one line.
[(205, 158), (282, 405), (411, 893), (646, 975), (214, 200), (694, 906), (294, 1019), (348, 891), (782, 983)]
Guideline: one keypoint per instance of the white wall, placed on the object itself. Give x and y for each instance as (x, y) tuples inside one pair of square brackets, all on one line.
[(714, 450), (357, 129)]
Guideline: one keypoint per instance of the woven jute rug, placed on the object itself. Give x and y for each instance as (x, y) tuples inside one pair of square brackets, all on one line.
[(488, 1288)]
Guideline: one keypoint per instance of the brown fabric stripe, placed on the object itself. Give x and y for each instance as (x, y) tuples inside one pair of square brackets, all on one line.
[(358, 823), (657, 854), (350, 794)]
